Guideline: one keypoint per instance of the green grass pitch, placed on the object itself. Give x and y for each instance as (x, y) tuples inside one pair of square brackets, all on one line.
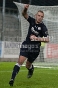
[(42, 77)]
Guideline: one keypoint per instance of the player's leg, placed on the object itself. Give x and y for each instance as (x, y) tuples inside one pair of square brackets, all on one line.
[(22, 58), (16, 69), (31, 58), (30, 68)]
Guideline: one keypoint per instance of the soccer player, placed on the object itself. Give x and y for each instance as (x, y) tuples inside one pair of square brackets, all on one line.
[(30, 48)]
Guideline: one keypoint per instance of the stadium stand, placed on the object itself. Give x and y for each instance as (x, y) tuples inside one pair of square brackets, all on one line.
[(11, 26)]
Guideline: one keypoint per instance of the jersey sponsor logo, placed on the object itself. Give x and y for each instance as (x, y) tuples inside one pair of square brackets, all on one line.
[(32, 29)]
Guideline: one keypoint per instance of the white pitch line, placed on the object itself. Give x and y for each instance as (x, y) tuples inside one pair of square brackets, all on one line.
[(54, 68), (11, 71), (26, 70)]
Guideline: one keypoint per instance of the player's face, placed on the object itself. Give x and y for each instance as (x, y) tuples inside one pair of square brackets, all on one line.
[(39, 17)]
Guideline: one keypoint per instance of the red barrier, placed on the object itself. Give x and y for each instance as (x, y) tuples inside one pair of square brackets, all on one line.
[(52, 50)]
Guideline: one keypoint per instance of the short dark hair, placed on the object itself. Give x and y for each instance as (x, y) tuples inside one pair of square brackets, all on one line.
[(41, 11)]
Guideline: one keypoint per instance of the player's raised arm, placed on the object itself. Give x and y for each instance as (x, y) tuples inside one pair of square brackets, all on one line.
[(41, 39), (24, 12)]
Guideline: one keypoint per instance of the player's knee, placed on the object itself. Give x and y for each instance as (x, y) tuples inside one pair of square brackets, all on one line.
[(21, 60)]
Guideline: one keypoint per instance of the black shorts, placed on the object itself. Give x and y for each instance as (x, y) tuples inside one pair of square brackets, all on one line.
[(30, 51)]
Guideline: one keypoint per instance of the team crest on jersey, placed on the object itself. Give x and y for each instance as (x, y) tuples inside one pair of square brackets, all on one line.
[(39, 28)]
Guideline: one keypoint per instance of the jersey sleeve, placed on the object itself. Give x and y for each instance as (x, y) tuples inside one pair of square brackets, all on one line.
[(45, 31), (30, 19)]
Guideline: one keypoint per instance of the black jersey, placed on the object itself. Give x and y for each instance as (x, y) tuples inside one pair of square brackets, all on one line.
[(31, 49), (39, 30)]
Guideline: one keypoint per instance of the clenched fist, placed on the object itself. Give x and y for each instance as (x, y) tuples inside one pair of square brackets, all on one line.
[(26, 6)]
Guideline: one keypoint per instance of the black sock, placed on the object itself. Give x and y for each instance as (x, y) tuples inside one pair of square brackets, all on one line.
[(15, 71)]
